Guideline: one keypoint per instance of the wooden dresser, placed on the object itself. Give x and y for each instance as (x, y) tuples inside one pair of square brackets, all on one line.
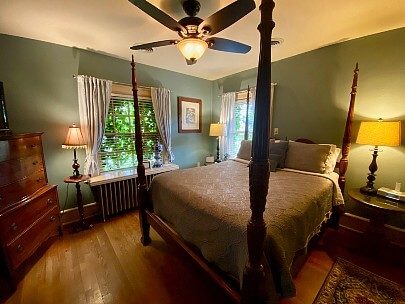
[(29, 208)]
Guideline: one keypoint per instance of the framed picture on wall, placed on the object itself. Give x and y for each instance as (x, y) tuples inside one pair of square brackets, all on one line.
[(189, 112)]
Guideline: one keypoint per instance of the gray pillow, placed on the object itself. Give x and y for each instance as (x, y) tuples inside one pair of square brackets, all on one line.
[(273, 165), (278, 148), (307, 157), (245, 150)]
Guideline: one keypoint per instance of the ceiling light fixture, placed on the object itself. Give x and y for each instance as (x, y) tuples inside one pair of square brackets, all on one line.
[(192, 48)]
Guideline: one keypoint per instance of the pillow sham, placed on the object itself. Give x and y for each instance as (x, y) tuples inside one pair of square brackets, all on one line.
[(278, 148), (307, 157), (245, 150)]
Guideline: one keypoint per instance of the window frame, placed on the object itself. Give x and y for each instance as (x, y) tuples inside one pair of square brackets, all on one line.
[(121, 91)]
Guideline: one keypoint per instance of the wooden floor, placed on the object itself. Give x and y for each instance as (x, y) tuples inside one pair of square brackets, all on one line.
[(107, 264)]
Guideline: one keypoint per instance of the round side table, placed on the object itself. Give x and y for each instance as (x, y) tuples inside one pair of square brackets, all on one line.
[(379, 208)]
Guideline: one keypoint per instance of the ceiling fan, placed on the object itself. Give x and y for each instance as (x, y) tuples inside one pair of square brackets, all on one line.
[(195, 32)]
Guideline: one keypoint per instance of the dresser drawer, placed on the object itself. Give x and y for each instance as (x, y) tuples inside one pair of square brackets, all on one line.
[(47, 226), (15, 192), (20, 148), (16, 169), (15, 222)]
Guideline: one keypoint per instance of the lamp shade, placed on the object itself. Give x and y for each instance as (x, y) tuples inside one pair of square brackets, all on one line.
[(74, 139), (192, 48), (379, 133), (217, 129)]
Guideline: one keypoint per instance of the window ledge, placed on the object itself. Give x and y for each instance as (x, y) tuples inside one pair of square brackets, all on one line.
[(124, 174)]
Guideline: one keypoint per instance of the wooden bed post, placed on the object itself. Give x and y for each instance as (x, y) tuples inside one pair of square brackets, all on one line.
[(347, 137), (255, 276), (140, 169)]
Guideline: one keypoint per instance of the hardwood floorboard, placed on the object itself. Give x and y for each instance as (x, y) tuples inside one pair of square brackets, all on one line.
[(108, 264)]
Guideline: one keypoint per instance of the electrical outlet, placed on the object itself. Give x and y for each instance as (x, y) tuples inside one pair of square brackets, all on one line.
[(275, 132)]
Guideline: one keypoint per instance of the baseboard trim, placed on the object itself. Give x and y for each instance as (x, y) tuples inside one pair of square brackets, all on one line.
[(70, 216), (359, 224)]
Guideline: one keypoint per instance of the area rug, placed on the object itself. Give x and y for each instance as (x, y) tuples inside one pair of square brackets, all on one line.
[(347, 283)]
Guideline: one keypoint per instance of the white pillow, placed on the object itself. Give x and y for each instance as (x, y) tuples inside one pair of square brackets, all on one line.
[(332, 159)]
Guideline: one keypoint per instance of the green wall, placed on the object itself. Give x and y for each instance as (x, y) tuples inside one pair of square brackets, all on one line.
[(311, 99), (41, 96), (313, 92)]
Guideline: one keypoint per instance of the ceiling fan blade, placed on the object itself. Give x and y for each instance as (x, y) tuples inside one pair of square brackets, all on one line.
[(190, 62), (151, 45), (226, 16), (226, 45), (158, 15)]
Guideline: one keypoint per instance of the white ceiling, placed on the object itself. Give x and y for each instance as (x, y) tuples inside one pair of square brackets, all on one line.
[(112, 26)]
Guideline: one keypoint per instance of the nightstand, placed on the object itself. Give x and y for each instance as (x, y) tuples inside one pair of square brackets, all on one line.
[(79, 199), (379, 208)]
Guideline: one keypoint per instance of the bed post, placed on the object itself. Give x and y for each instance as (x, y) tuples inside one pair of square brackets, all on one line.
[(256, 274), (140, 169), (348, 132)]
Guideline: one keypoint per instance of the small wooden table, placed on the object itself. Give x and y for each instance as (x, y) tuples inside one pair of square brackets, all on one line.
[(83, 225), (379, 209)]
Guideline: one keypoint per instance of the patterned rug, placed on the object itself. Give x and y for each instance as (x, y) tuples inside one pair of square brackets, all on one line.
[(347, 283)]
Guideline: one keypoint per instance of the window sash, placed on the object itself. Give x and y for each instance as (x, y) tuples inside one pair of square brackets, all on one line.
[(117, 150)]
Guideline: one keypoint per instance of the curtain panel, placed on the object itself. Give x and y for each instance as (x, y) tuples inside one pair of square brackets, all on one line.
[(162, 109), (94, 99), (227, 118)]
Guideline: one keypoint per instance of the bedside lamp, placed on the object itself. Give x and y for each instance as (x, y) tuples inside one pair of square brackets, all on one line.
[(217, 130), (377, 133), (74, 140)]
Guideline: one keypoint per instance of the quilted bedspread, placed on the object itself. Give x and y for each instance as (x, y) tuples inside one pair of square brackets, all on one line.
[(209, 207)]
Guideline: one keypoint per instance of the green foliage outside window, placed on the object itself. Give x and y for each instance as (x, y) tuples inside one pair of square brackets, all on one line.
[(117, 150)]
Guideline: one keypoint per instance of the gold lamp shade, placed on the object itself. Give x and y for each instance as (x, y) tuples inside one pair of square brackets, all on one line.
[(217, 129), (379, 133), (74, 139)]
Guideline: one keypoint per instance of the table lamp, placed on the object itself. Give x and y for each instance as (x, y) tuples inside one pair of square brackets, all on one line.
[(217, 130), (74, 140), (377, 133)]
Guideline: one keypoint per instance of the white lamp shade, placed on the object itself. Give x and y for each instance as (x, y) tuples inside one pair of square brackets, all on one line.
[(217, 129), (379, 133), (74, 139), (192, 48)]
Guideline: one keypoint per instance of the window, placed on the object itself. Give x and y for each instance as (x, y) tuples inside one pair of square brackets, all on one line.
[(117, 149)]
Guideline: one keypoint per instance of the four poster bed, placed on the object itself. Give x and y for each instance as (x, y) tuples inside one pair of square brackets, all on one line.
[(204, 210)]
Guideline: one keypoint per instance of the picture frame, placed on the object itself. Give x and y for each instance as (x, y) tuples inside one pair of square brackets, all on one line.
[(189, 112)]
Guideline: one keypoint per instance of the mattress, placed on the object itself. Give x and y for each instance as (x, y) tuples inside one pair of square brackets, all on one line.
[(209, 207)]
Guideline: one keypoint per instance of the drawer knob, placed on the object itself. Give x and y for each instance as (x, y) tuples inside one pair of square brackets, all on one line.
[(14, 226), (20, 248), (49, 201), (35, 162), (53, 218), (39, 179), (33, 146)]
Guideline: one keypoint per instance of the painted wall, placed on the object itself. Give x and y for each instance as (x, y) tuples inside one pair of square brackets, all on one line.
[(41, 96), (312, 98)]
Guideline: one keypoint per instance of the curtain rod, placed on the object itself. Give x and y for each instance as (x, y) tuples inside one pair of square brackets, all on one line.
[(245, 90), (116, 82)]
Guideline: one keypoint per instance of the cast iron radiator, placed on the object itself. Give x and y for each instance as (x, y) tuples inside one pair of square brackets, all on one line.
[(119, 194)]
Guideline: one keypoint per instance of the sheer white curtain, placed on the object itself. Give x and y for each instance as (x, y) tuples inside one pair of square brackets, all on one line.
[(162, 109), (273, 86), (227, 118), (94, 99)]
